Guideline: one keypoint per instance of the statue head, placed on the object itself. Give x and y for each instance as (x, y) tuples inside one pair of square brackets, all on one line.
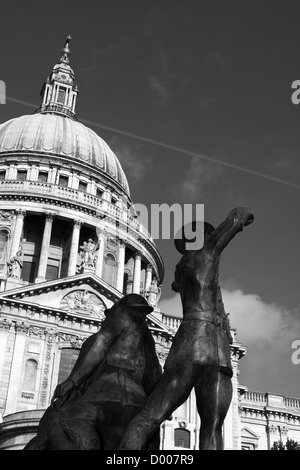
[(180, 243), (137, 302)]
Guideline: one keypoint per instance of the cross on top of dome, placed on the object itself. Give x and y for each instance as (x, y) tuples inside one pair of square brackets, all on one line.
[(66, 51)]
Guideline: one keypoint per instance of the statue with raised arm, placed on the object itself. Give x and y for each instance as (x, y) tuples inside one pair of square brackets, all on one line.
[(153, 293), (15, 265), (116, 370), (87, 251), (200, 355)]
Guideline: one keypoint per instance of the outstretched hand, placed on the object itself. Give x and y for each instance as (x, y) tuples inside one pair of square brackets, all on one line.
[(243, 214), (62, 393)]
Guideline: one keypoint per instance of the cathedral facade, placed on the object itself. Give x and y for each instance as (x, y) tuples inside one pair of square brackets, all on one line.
[(71, 245)]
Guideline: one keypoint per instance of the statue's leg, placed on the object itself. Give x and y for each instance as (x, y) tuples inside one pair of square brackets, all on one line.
[(115, 417), (213, 394), (74, 427), (171, 391), (41, 441)]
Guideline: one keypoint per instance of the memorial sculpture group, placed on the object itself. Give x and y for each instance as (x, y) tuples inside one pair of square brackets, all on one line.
[(117, 396)]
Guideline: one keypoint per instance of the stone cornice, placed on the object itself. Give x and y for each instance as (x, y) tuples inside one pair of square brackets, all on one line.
[(73, 281)]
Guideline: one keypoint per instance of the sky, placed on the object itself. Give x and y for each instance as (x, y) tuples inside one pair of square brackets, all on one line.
[(194, 97)]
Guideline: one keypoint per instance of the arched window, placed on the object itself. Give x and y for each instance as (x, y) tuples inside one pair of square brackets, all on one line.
[(182, 438), (30, 375), (110, 259), (109, 269)]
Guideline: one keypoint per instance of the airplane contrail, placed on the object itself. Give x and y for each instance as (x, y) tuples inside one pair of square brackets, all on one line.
[(172, 147)]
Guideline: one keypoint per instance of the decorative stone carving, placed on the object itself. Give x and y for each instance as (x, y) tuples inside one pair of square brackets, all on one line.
[(27, 395), (77, 343), (21, 327), (284, 429), (36, 331), (272, 428), (153, 293), (83, 302), (161, 353), (6, 215), (50, 335), (15, 265), (66, 337), (5, 324), (87, 252)]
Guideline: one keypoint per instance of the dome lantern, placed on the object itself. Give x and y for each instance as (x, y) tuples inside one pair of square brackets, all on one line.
[(59, 93)]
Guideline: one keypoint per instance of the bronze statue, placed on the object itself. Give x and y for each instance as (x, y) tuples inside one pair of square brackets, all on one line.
[(200, 355), (116, 370)]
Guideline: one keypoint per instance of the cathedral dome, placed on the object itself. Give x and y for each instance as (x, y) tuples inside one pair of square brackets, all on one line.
[(57, 135)]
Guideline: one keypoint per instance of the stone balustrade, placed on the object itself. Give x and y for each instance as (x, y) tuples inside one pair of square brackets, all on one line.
[(254, 397), (79, 197), (291, 403), (171, 322)]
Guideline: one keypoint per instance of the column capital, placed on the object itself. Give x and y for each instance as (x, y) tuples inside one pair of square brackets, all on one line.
[(101, 232), (20, 213), (137, 255), (149, 268), (122, 242), (50, 216), (21, 327), (77, 223)]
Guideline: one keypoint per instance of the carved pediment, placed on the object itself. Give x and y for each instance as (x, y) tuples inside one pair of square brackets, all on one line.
[(51, 293), (83, 302), (248, 434)]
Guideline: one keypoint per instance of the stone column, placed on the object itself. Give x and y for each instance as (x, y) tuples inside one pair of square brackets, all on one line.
[(41, 275), (137, 273), (74, 248), (121, 265), (16, 367), (18, 230), (149, 272), (12, 172), (100, 255)]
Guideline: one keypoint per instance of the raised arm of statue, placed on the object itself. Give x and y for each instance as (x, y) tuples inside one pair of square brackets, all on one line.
[(226, 231)]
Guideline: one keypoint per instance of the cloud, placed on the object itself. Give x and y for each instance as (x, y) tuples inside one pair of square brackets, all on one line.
[(268, 331), (281, 165), (169, 76), (130, 158), (160, 89), (199, 175), (257, 322)]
